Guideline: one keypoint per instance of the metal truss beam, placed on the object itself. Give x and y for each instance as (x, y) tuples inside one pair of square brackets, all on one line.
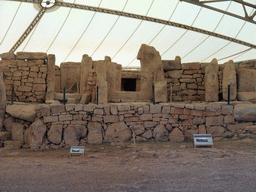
[(155, 20), (125, 14), (28, 30), (243, 4)]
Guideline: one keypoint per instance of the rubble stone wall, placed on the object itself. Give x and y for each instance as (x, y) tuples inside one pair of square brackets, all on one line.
[(27, 73)]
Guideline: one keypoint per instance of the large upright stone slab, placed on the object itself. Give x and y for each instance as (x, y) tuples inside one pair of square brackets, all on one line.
[(246, 80), (151, 70), (86, 66), (229, 78), (101, 71), (95, 133), (211, 81), (50, 77), (2, 100), (118, 77), (111, 77), (70, 76), (37, 132)]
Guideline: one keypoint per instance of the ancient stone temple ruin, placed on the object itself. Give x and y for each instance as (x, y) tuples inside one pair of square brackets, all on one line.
[(43, 105)]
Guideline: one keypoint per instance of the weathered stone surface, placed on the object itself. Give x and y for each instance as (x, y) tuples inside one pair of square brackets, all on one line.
[(172, 64), (17, 131), (12, 144), (38, 130), (5, 136), (95, 133), (229, 78), (176, 135), (245, 112), (155, 108), (138, 129), (190, 66), (73, 133), (55, 134), (161, 92), (39, 88), (216, 131), (50, 77), (148, 134), (246, 96), (25, 112), (49, 119), (8, 56), (160, 133), (2, 100), (86, 66), (65, 117), (246, 80), (146, 117), (30, 55), (217, 120), (189, 133), (175, 74), (117, 131), (111, 119), (211, 81), (56, 109), (86, 98), (123, 107), (201, 129), (229, 119)]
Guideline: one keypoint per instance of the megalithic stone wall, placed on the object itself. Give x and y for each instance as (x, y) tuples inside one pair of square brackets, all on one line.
[(27, 73)]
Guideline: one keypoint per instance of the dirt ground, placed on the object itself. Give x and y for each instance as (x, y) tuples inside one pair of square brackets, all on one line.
[(156, 166)]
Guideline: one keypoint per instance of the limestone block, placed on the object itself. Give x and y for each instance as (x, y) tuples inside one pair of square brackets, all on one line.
[(39, 87), (111, 119), (155, 108), (57, 109), (161, 92), (86, 66), (138, 129), (73, 133), (150, 124), (227, 109), (245, 112), (40, 81), (216, 120), (44, 111), (117, 132), (176, 135), (118, 77), (148, 134), (246, 80), (201, 129), (25, 112), (172, 64), (65, 117), (229, 119), (8, 123), (111, 78), (160, 133), (38, 130), (55, 134), (31, 55), (189, 133), (86, 98), (190, 66), (17, 131), (4, 136), (229, 78), (123, 107), (216, 131), (16, 74), (211, 81), (146, 117), (246, 96), (71, 101), (95, 133), (8, 56), (113, 109), (103, 92), (49, 119), (89, 108), (12, 144)]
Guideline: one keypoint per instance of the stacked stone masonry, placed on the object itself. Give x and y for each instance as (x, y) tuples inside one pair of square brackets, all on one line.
[(27, 73), (76, 124)]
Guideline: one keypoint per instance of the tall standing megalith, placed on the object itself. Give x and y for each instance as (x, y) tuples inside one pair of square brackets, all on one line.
[(211, 81), (2, 100)]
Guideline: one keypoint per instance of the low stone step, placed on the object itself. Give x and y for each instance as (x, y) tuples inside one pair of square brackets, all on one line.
[(250, 129), (4, 136)]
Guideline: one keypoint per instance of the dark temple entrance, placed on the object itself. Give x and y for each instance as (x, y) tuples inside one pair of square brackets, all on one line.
[(128, 84)]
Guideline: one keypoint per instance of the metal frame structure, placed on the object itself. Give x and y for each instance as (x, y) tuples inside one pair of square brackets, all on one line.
[(246, 17), (126, 14)]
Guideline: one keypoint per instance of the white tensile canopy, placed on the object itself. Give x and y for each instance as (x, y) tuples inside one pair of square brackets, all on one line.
[(117, 28)]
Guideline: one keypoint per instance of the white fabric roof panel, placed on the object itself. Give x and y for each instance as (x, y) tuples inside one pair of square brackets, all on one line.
[(69, 32)]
